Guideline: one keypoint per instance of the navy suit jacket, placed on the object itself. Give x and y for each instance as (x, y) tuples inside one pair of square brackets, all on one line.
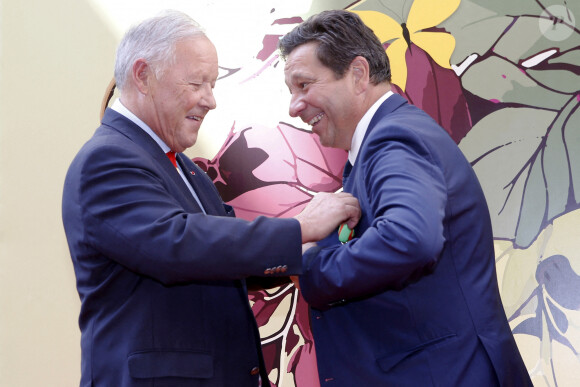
[(164, 301), (413, 299)]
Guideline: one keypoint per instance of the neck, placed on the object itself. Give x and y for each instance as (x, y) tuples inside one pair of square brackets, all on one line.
[(375, 92), (135, 102)]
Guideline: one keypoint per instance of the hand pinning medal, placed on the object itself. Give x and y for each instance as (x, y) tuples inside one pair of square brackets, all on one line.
[(345, 234)]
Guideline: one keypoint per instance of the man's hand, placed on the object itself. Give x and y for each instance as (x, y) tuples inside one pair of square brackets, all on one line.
[(325, 212)]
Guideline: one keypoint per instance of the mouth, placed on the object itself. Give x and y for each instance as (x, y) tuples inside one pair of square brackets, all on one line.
[(316, 119), (195, 118)]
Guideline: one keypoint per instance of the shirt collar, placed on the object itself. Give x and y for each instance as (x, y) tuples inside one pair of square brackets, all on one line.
[(121, 109), (363, 125)]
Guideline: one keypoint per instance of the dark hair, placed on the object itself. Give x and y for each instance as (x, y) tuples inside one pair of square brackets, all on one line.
[(341, 36)]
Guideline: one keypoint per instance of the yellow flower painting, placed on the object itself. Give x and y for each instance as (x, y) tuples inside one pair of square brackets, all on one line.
[(424, 14)]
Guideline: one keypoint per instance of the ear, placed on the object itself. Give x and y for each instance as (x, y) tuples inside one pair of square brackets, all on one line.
[(141, 74), (360, 71)]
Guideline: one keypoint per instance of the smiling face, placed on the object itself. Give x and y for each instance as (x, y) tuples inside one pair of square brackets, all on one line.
[(328, 104), (179, 100)]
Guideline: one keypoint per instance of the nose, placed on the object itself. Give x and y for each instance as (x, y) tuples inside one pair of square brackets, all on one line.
[(296, 105), (208, 100)]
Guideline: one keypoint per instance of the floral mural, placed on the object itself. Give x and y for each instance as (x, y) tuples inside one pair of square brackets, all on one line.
[(503, 78)]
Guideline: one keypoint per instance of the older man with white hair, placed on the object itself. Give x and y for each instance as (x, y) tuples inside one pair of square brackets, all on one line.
[(160, 260)]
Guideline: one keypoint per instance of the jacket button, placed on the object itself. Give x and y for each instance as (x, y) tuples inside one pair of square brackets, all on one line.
[(255, 371)]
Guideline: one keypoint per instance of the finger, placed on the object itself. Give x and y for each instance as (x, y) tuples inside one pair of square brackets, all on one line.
[(352, 223), (343, 195), (351, 201), (353, 213), (349, 198)]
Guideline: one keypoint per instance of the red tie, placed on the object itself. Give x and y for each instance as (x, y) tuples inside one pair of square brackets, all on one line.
[(171, 155)]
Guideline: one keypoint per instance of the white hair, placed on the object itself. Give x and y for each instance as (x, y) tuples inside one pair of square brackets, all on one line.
[(154, 40)]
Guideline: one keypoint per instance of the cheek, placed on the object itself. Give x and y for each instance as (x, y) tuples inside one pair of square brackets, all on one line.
[(186, 97), (176, 97), (343, 108)]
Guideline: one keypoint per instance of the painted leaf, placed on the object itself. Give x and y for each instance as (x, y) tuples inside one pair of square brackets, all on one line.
[(558, 161), (500, 147), (549, 191), (542, 285), (438, 92), (500, 7), (428, 13), (506, 83), (287, 343), (475, 29), (539, 167), (549, 72)]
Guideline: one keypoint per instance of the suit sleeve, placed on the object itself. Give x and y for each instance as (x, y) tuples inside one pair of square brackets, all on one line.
[(403, 195), (130, 216)]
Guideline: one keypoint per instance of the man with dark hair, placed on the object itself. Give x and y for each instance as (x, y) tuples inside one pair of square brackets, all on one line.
[(160, 260), (412, 299)]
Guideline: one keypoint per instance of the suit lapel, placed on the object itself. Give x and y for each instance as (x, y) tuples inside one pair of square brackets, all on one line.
[(392, 103), (346, 171), (202, 185), (207, 194), (388, 106)]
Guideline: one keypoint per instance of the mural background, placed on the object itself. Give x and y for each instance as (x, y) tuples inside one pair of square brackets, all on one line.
[(501, 77)]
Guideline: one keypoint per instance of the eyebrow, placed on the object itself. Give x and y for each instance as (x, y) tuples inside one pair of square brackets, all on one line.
[(300, 75)]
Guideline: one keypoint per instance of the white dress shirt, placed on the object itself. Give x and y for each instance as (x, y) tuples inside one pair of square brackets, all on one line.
[(363, 125)]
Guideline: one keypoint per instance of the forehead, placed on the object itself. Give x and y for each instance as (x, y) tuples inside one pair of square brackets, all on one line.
[(197, 54), (303, 59)]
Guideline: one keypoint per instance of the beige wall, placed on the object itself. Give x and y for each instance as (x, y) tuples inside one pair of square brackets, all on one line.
[(56, 61)]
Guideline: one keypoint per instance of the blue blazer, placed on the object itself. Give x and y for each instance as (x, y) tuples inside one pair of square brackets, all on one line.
[(413, 299), (164, 301)]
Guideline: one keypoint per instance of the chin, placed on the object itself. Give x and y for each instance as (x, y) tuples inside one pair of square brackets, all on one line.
[(325, 142), (192, 142)]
